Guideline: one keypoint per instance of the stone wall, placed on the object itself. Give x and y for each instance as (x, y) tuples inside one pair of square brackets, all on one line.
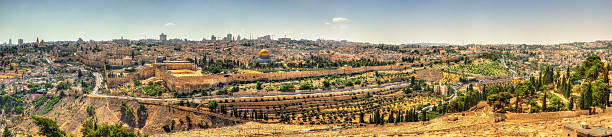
[(545, 115), (145, 73), (190, 83)]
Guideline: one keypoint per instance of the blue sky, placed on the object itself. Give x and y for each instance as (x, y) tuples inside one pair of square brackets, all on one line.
[(380, 21)]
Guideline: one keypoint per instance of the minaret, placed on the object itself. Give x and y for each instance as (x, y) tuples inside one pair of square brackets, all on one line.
[(36, 40)]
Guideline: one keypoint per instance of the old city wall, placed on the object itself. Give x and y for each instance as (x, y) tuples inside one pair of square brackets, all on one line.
[(190, 83), (145, 73)]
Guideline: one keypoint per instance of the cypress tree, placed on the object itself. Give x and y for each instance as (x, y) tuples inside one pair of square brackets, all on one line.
[(406, 117), (570, 106), (589, 96), (544, 103), (361, 118), (390, 119)]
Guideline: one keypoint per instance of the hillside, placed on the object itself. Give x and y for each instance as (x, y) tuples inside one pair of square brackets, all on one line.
[(478, 123), (69, 112)]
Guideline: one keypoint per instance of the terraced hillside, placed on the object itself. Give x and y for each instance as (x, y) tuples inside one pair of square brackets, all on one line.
[(70, 112)]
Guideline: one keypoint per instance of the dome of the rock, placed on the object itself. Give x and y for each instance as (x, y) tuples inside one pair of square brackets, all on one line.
[(264, 52)]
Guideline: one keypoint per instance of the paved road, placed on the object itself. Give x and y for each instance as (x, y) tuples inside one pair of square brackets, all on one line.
[(98, 83)]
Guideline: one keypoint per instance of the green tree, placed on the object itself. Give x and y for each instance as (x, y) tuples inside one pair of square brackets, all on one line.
[(326, 84), (586, 96), (137, 82), (212, 105), (142, 115), (48, 127), (235, 89), (361, 120), (90, 128), (7, 132), (544, 102), (570, 105), (306, 86), (600, 92), (90, 111), (259, 85), (499, 101), (127, 114), (287, 88), (63, 86)]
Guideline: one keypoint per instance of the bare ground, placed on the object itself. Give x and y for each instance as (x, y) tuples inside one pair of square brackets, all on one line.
[(479, 123)]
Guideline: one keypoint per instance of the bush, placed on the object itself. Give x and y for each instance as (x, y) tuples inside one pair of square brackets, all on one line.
[(259, 86), (306, 86), (166, 128), (287, 88), (127, 113), (326, 84), (222, 92), (63, 86), (92, 129), (137, 82), (48, 127), (50, 104), (235, 89), (90, 111), (40, 101), (212, 105)]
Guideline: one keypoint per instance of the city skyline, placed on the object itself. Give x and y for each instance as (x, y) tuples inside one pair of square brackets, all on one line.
[(390, 22)]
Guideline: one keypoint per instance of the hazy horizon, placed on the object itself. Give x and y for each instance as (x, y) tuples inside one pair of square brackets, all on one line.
[(390, 22)]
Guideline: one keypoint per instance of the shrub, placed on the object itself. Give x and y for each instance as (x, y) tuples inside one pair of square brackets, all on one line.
[(287, 88), (50, 104), (48, 127), (166, 128), (235, 89), (306, 86), (127, 113), (90, 111), (259, 86), (212, 105)]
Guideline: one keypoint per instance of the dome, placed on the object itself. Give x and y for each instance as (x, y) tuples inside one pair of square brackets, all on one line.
[(264, 52)]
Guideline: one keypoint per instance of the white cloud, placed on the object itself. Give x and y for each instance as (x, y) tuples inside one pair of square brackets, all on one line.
[(169, 24), (339, 19), (326, 23)]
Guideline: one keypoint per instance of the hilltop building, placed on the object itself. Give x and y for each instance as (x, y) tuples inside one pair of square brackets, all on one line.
[(264, 57)]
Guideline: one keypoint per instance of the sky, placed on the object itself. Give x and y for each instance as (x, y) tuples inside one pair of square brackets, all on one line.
[(374, 21)]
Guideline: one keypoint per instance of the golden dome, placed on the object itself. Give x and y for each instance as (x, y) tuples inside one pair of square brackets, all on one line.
[(264, 52)]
